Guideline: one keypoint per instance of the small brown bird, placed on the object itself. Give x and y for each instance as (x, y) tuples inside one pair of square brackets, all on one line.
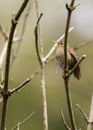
[(72, 59)]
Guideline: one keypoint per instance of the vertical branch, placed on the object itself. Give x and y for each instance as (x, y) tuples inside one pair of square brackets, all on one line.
[(90, 120), (39, 48), (70, 8), (8, 54), (16, 50)]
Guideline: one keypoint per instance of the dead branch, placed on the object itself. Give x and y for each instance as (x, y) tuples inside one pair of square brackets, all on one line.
[(81, 59), (16, 50), (63, 119), (83, 44), (90, 119), (22, 122), (8, 54), (70, 9), (2, 30), (26, 81), (36, 39), (39, 50), (82, 112)]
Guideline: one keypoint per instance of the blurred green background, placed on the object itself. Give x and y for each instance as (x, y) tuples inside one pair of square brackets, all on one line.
[(53, 26)]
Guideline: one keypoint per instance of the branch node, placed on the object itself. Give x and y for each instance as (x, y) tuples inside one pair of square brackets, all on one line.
[(66, 76), (5, 94), (69, 7), (76, 5), (14, 21)]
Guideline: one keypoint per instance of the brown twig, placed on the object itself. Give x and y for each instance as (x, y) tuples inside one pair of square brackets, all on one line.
[(16, 50), (22, 122), (36, 39), (83, 44), (81, 59), (6, 77), (26, 81), (83, 113), (63, 119), (3, 32), (70, 9)]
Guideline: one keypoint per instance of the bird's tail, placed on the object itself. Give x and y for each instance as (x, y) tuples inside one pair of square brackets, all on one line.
[(77, 72)]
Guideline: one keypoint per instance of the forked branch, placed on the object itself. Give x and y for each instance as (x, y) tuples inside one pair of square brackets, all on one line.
[(70, 9), (7, 65)]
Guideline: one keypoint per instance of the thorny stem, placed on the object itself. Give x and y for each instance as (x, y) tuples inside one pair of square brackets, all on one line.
[(6, 77), (66, 79)]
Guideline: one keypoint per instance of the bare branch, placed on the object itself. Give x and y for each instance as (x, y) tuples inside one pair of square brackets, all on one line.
[(83, 113), (22, 122), (83, 44), (36, 39), (8, 54), (22, 85), (39, 49), (81, 59), (63, 119), (70, 9), (3, 32), (16, 50), (90, 120), (3, 53)]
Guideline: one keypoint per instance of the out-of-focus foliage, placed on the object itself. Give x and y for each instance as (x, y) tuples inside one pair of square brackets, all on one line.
[(53, 26)]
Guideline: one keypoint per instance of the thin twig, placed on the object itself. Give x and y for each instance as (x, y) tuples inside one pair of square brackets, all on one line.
[(8, 54), (83, 44), (70, 9), (83, 113), (26, 81), (22, 122), (36, 39), (3, 53), (18, 127), (3, 32), (63, 119), (90, 120), (81, 59), (16, 50)]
